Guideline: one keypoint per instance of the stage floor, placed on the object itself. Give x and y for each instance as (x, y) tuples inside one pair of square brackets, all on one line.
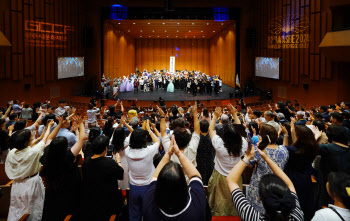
[(178, 95)]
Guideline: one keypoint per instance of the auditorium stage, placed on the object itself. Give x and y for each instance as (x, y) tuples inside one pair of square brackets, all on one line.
[(178, 95)]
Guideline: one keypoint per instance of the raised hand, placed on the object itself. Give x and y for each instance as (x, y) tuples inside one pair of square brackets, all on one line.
[(11, 103), (117, 157), (232, 108), (122, 120), (253, 130), (284, 130), (147, 126), (293, 120), (161, 112), (78, 119), (174, 146), (194, 107), (10, 128), (317, 132), (51, 123), (60, 120), (218, 112)]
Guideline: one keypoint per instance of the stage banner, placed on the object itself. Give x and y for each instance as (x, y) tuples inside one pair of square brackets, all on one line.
[(172, 64)]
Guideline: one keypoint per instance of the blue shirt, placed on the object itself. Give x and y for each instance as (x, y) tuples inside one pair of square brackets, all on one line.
[(16, 108), (72, 139)]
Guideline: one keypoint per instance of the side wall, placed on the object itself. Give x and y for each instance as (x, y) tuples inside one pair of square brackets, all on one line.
[(223, 55), (118, 52)]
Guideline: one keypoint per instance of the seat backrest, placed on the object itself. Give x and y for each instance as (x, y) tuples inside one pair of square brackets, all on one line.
[(5, 196), (3, 177)]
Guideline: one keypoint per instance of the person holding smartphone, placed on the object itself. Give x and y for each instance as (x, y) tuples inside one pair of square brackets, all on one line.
[(278, 154)]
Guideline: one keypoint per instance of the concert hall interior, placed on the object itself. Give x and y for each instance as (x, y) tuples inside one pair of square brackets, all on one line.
[(222, 70)]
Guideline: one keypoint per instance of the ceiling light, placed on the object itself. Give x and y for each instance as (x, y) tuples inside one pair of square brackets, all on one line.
[(149, 23), (177, 31), (207, 23), (203, 36), (140, 36), (192, 23), (178, 23), (163, 23), (213, 31), (185, 36), (152, 30), (194, 36), (189, 31), (149, 36), (140, 30), (118, 23), (158, 36), (176, 36), (167, 36), (222, 23), (134, 23), (128, 30), (165, 31)]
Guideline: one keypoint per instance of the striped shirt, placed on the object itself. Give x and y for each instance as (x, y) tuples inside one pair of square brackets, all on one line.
[(248, 213)]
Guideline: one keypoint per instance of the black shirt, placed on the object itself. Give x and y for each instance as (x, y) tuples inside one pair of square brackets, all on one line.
[(161, 102), (100, 196), (63, 199), (4, 137)]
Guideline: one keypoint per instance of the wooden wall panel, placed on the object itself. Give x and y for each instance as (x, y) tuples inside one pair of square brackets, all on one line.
[(302, 19), (119, 52), (31, 26), (189, 54), (223, 55)]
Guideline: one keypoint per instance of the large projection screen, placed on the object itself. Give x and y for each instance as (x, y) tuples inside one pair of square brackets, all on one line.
[(267, 67), (69, 67)]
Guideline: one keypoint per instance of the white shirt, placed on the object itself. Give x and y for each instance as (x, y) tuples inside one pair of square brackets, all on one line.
[(61, 110), (140, 162), (328, 214), (91, 114), (223, 161), (23, 163), (190, 151)]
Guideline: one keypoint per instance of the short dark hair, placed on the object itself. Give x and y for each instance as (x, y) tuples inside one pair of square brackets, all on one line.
[(20, 139), (171, 184), (100, 144), (276, 196), (20, 125), (255, 126), (62, 101), (48, 117), (87, 148), (270, 114), (257, 113), (91, 106), (324, 108), (138, 139), (13, 116), (118, 139), (319, 124), (337, 133), (26, 105), (337, 116), (318, 115), (182, 137), (337, 184), (306, 143), (345, 115), (178, 122), (204, 126)]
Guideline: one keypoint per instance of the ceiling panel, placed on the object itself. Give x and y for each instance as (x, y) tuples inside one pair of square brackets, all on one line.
[(170, 29)]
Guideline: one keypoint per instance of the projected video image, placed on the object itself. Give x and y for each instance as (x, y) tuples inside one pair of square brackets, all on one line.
[(267, 67), (70, 67)]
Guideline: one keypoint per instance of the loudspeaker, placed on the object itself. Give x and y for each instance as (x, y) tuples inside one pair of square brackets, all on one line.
[(306, 86), (251, 38), (88, 37), (27, 86)]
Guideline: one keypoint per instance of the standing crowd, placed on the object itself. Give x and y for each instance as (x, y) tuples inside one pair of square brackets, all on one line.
[(177, 164)]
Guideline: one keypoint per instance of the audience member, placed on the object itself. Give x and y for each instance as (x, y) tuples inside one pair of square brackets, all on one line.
[(100, 196)]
